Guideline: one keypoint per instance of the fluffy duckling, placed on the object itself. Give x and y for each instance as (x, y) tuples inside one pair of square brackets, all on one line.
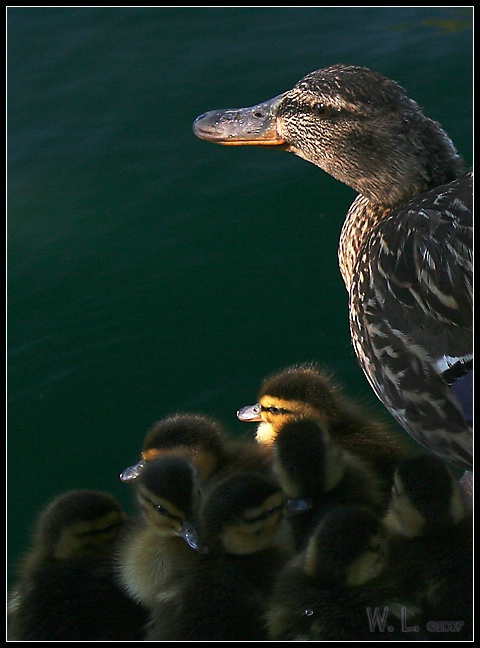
[(201, 440), (405, 250), (67, 590), (304, 390), (198, 438), (431, 527), (339, 588), (164, 535), (311, 466), (223, 596)]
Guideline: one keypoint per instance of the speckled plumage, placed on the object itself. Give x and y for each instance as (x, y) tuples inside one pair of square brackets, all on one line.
[(411, 311)]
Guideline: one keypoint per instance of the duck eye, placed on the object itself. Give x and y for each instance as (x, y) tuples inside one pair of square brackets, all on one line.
[(276, 410), (321, 110), (276, 509), (272, 511), (266, 514)]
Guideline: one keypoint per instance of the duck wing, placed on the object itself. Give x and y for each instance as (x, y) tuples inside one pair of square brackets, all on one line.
[(424, 253), (411, 315)]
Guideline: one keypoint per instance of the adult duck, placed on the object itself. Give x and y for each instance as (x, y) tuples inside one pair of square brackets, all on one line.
[(405, 250)]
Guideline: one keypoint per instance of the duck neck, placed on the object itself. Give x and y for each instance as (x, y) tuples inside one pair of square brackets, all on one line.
[(362, 217), (424, 158)]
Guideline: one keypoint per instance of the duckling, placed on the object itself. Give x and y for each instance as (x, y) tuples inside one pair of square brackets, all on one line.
[(223, 596), (67, 589), (311, 466), (339, 588), (431, 540), (405, 251), (164, 535), (305, 390), (200, 439)]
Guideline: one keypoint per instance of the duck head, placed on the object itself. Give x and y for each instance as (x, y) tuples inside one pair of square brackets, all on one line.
[(296, 392), (306, 461), (197, 438), (353, 123), (426, 498), (79, 523), (348, 548), (242, 514), (168, 494), (272, 413)]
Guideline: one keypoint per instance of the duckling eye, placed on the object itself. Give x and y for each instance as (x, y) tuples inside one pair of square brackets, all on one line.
[(276, 410), (321, 110), (273, 511), (266, 514), (160, 509)]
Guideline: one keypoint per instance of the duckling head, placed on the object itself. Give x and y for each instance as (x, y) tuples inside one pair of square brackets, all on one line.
[(298, 391), (79, 523), (305, 460), (242, 514), (353, 123), (347, 549), (426, 498), (196, 437), (168, 494)]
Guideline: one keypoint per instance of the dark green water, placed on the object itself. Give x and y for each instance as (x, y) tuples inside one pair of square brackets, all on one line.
[(150, 272)]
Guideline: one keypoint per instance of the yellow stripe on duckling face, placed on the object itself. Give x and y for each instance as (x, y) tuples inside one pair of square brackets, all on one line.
[(88, 537), (256, 527), (275, 412), (204, 461), (162, 515)]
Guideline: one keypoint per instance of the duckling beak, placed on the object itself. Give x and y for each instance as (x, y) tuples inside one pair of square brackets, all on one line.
[(253, 126), (295, 505), (189, 534), (250, 413), (132, 472)]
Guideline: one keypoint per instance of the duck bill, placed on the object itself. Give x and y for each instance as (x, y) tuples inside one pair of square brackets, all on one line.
[(296, 505), (250, 413), (189, 534), (253, 126), (132, 472)]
